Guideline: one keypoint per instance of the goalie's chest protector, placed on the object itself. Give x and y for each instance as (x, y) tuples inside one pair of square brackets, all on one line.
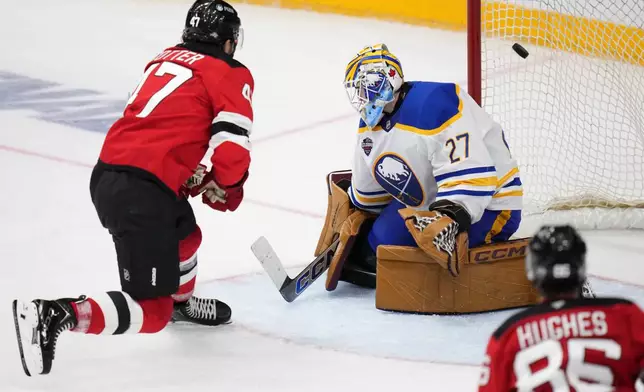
[(398, 162), (399, 152)]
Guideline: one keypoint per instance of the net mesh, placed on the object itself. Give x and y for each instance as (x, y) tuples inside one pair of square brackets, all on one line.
[(573, 110)]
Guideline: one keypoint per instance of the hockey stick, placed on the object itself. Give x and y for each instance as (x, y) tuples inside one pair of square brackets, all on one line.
[(291, 288)]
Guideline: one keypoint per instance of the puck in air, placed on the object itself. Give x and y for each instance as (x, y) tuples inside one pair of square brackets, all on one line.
[(520, 50)]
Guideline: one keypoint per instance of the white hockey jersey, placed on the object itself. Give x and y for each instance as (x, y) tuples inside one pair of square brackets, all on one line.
[(438, 144)]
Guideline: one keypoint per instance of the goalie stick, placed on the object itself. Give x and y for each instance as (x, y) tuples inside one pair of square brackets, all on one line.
[(291, 288)]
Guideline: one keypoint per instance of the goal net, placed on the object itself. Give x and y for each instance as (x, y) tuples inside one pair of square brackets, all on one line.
[(573, 110)]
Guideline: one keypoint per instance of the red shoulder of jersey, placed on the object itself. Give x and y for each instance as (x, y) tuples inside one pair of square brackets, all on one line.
[(229, 86), (549, 307)]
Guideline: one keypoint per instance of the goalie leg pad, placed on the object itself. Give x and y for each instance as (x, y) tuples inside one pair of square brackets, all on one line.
[(410, 281), (338, 209), (348, 233)]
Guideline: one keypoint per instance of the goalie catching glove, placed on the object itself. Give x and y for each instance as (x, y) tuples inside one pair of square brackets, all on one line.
[(218, 197), (441, 232)]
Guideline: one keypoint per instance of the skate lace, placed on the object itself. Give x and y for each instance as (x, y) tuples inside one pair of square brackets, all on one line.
[(202, 308), (66, 324)]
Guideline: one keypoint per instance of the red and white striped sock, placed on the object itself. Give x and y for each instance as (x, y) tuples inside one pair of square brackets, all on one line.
[(188, 265), (115, 313)]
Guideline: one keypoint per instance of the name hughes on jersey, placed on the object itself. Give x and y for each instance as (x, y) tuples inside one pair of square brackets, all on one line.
[(180, 55), (571, 325)]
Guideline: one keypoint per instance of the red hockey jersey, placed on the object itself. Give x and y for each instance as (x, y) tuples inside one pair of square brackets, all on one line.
[(190, 96), (573, 345)]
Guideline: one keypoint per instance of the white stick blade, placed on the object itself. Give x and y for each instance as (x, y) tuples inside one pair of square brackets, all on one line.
[(269, 260)]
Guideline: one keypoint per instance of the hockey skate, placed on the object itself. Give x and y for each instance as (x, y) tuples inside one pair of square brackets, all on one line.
[(204, 311), (38, 324)]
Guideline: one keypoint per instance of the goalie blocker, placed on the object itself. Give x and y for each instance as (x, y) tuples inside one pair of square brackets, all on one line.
[(421, 279)]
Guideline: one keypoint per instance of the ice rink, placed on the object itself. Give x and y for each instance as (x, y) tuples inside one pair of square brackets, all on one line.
[(66, 69)]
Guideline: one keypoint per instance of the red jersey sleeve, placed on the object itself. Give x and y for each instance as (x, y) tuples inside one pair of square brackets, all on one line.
[(494, 376), (232, 125)]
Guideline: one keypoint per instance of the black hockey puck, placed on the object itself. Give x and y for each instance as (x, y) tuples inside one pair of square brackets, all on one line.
[(521, 51)]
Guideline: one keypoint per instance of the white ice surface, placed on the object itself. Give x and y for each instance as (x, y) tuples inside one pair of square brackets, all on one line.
[(52, 244)]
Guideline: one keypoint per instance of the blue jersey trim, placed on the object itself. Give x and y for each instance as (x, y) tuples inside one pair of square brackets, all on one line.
[(457, 173), (515, 182), (371, 193), (465, 192)]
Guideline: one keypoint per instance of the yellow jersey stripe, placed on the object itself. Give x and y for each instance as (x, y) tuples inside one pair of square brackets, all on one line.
[(485, 181), (377, 199), (506, 177), (498, 225), (508, 194), (366, 129)]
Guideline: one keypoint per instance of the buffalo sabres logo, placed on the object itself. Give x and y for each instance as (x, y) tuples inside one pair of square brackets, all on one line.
[(367, 145), (397, 178)]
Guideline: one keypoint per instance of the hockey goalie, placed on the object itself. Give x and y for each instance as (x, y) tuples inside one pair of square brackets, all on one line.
[(431, 171)]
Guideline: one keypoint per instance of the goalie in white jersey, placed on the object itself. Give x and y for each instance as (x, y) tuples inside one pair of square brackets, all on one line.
[(433, 166)]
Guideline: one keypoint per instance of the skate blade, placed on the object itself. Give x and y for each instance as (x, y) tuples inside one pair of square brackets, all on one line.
[(25, 316)]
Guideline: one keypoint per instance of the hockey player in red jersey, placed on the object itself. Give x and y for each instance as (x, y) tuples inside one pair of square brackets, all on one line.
[(566, 343), (191, 96)]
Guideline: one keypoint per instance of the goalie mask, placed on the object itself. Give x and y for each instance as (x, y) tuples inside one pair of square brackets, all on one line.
[(371, 80)]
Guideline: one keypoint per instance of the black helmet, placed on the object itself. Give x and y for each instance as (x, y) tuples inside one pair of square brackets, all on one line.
[(556, 260), (212, 22)]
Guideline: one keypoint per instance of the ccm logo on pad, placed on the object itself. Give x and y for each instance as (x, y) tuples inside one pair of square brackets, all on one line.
[(499, 254)]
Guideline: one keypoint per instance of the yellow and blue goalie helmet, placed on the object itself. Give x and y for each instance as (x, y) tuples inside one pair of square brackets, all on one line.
[(371, 79)]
